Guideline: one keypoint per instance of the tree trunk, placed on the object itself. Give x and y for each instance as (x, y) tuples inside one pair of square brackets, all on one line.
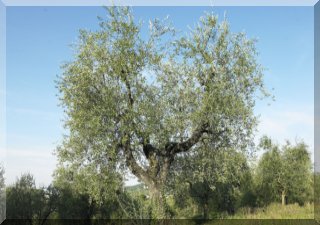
[(205, 211), (158, 203), (156, 186), (160, 160), (283, 198), (155, 175)]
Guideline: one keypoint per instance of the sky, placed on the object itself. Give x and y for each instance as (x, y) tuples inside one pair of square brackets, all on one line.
[(39, 39)]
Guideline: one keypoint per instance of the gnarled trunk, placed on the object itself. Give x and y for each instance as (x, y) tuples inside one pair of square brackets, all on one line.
[(160, 160), (158, 174)]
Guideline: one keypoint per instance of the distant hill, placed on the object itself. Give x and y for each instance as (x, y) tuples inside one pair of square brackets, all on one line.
[(136, 188)]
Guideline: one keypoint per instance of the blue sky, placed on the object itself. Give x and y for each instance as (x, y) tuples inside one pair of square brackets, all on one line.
[(38, 42)]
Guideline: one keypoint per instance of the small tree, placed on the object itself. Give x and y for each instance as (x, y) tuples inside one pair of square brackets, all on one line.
[(201, 86), (298, 173), (269, 174), (284, 174), (27, 202), (20, 199)]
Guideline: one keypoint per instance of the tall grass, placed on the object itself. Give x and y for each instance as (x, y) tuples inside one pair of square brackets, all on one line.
[(276, 211)]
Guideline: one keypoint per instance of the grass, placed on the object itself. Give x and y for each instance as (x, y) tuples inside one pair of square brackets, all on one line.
[(276, 211)]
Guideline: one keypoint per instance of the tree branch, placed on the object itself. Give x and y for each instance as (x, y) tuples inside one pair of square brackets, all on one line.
[(135, 168), (124, 73), (174, 147)]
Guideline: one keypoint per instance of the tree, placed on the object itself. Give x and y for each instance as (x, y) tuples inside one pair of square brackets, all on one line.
[(20, 199), (28, 203), (269, 173), (46, 201), (216, 182), (73, 205), (284, 174), (119, 119), (74, 201), (298, 173)]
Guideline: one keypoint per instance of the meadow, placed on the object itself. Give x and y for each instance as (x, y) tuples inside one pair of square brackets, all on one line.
[(276, 211)]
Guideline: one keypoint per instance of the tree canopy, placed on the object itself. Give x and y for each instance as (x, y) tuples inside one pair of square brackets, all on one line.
[(134, 104)]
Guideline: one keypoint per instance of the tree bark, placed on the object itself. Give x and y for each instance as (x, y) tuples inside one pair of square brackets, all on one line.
[(156, 190), (283, 198)]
